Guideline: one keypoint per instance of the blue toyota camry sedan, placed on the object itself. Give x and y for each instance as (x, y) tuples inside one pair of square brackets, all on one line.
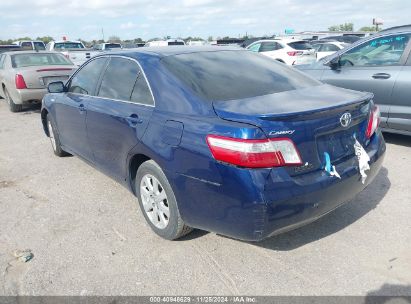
[(217, 138)]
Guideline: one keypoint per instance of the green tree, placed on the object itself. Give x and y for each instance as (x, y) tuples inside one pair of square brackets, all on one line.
[(349, 27), (45, 39), (368, 29)]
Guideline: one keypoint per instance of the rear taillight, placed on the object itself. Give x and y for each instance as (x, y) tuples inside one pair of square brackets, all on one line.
[(254, 153), (20, 83), (295, 53), (373, 122)]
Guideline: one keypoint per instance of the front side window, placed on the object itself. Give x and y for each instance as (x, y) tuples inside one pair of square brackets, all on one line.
[(254, 47), (85, 80), (2, 61), (382, 51), (119, 79), (39, 45)]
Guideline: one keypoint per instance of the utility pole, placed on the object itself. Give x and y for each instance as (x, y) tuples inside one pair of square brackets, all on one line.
[(102, 33)]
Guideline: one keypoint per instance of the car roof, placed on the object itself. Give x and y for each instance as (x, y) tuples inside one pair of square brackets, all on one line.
[(400, 28), (30, 52), (172, 50)]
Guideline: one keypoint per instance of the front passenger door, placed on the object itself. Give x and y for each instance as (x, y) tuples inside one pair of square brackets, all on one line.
[(372, 66), (118, 117), (70, 109)]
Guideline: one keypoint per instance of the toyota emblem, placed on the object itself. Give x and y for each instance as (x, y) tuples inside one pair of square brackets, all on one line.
[(345, 120)]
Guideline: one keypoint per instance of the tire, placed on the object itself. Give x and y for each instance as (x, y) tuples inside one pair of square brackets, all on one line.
[(12, 106), (54, 138), (158, 203)]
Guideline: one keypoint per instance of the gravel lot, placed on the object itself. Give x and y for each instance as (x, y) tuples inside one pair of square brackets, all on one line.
[(89, 237)]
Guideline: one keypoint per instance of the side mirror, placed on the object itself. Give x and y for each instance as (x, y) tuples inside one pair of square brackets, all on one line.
[(56, 87), (334, 63)]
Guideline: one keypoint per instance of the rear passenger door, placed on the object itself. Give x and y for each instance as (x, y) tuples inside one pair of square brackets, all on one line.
[(118, 117)]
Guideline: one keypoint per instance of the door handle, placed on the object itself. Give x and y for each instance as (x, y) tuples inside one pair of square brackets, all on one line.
[(133, 120), (381, 76), (81, 108)]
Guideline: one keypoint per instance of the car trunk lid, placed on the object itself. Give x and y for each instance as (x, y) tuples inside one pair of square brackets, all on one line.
[(38, 77), (311, 117)]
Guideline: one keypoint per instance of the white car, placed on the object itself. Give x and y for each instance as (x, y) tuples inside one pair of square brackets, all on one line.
[(73, 50), (325, 49), (167, 42), (287, 50)]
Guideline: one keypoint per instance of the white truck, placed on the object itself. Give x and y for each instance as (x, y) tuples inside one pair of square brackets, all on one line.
[(73, 50)]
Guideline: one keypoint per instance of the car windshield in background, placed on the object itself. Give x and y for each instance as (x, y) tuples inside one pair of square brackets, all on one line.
[(39, 46), (300, 45), (229, 75), (113, 46), (37, 59), (8, 48), (68, 45)]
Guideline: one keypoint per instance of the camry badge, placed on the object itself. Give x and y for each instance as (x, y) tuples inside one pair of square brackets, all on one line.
[(345, 120)]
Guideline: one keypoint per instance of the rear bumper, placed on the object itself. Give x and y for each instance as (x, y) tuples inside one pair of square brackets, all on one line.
[(255, 204), (25, 96)]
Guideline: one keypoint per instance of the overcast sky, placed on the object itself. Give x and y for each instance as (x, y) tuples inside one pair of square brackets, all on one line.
[(181, 18)]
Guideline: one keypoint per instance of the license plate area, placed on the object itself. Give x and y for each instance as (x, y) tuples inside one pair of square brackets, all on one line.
[(339, 145)]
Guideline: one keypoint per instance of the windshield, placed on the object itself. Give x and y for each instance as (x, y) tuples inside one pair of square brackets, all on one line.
[(228, 75), (36, 59), (68, 45), (176, 43)]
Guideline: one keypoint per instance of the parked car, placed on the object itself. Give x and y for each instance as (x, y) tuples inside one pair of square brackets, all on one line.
[(31, 45), (107, 46), (287, 50), (380, 64), (325, 49), (9, 48), (24, 75), (217, 138), (168, 42), (73, 50)]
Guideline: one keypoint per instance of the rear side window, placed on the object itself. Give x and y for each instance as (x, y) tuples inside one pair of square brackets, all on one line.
[(141, 92), (300, 45), (85, 80), (228, 75), (268, 46), (119, 79)]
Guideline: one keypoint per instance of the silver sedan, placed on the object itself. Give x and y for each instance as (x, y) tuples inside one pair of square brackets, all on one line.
[(24, 75)]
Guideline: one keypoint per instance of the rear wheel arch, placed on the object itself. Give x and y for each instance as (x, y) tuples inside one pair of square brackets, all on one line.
[(135, 162)]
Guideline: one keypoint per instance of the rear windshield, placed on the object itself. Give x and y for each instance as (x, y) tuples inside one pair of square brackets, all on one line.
[(300, 45), (113, 46), (175, 43), (25, 60), (229, 75), (39, 46), (68, 45)]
